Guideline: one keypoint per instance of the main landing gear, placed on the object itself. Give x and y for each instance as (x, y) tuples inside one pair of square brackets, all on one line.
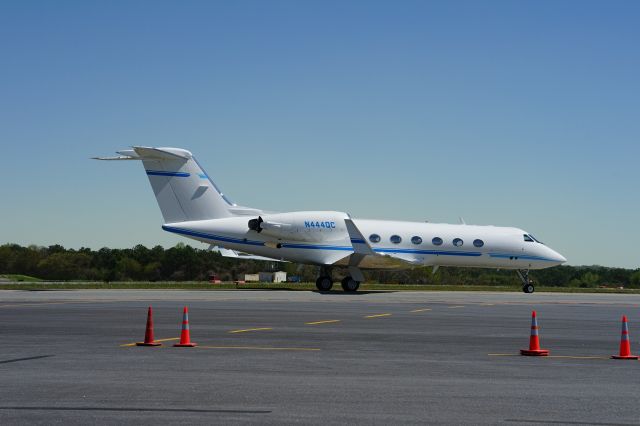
[(350, 285), (325, 282), (527, 284)]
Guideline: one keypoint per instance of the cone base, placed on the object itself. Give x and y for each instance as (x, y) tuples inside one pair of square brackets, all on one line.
[(185, 345), (148, 344), (534, 352), (625, 356)]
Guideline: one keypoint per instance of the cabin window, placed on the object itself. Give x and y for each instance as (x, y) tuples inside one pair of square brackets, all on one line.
[(374, 238), (437, 241), (478, 243), (416, 240), (528, 238), (395, 239), (458, 242)]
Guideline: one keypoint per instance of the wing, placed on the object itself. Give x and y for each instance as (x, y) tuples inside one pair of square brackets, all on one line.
[(241, 255), (365, 257)]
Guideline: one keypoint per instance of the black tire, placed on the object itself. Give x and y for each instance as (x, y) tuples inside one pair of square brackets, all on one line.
[(324, 283), (350, 285), (529, 288)]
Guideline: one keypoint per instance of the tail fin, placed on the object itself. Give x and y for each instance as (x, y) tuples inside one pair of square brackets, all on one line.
[(183, 189)]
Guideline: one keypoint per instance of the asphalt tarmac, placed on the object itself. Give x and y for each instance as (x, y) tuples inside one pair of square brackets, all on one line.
[(284, 357)]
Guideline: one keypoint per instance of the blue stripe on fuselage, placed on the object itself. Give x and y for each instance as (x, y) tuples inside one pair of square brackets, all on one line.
[(432, 252), (520, 256), (163, 173), (212, 236), (317, 247), (311, 246)]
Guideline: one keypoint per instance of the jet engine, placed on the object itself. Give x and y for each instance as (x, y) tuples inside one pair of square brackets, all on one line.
[(300, 226), (272, 228)]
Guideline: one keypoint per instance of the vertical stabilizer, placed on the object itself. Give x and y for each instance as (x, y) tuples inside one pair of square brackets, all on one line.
[(182, 188), (184, 191)]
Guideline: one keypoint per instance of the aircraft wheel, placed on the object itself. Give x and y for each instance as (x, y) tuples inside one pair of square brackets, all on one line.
[(349, 284), (528, 288), (324, 283)]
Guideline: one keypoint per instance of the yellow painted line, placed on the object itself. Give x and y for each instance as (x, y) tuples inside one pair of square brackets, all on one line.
[(488, 304), (454, 307), (251, 329), (559, 356), (322, 322), (259, 348), (159, 340), (421, 310), (378, 315)]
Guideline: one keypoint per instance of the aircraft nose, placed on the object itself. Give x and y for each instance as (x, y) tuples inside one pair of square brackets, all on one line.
[(558, 257), (553, 257)]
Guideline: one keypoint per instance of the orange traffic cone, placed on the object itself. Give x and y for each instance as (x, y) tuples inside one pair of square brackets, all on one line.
[(148, 334), (625, 346), (185, 337), (534, 341)]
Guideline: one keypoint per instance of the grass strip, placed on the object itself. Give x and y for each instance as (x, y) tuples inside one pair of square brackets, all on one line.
[(170, 285)]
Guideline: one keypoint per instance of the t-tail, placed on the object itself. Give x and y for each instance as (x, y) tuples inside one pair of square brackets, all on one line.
[(182, 188)]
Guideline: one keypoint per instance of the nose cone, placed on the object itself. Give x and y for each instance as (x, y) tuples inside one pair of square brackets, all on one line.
[(557, 257), (548, 256)]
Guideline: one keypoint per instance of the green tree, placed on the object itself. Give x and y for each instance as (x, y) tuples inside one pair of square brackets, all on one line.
[(128, 269), (590, 280)]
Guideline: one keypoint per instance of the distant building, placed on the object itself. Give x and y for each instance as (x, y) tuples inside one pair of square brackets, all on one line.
[(251, 278), (280, 277), (268, 277)]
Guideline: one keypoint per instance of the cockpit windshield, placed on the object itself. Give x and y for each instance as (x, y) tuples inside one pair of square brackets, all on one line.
[(530, 238), (535, 239)]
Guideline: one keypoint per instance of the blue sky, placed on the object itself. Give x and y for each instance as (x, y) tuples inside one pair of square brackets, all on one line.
[(507, 113)]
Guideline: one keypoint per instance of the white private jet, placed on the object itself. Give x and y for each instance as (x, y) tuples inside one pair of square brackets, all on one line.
[(194, 207)]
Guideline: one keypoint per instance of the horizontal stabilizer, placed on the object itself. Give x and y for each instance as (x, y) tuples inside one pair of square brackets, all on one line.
[(146, 153), (161, 153), (121, 157)]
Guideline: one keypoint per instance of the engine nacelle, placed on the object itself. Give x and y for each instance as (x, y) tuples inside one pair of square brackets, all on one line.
[(254, 224), (301, 226), (260, 225)]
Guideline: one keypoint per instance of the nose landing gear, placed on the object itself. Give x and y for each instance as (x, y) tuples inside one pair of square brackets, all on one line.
[(527, 283)]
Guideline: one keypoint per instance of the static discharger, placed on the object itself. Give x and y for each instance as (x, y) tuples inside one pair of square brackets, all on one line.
[(534, 340), (185, 336), (625, 346), (148, 334)]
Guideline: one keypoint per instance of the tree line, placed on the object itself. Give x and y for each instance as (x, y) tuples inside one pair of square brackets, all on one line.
[(185, 263)]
